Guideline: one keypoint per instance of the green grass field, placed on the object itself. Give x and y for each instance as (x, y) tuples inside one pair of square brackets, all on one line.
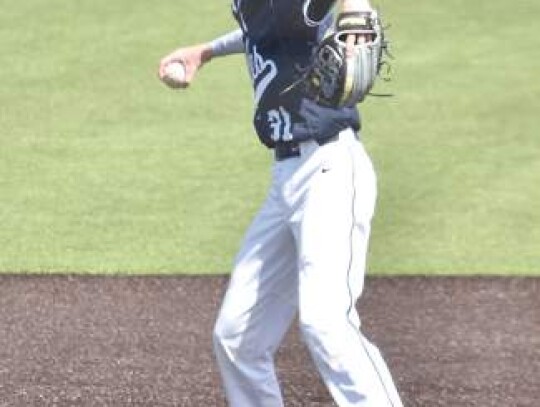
[(104, 170)]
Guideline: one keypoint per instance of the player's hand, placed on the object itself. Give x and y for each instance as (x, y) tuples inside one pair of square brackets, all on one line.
[(354, 39), (351, 40), (191, 57)]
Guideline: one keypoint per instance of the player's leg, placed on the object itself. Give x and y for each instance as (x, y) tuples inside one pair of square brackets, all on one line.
[(259, 306), (332, 235)]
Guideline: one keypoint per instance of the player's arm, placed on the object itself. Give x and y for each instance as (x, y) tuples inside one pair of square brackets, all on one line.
[(195, 56), (355, 5)]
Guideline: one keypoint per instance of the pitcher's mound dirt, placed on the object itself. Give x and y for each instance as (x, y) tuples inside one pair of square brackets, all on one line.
[(146, 341)]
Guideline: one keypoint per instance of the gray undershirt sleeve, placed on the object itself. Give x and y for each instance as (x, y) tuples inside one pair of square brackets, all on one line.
[(230, 43)]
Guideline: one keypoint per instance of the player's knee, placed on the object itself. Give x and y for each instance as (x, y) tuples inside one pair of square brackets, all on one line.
[(223, 331), (227, 336), (232, 342)]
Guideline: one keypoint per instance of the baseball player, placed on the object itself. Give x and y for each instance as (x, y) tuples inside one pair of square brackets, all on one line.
[(304, 253)]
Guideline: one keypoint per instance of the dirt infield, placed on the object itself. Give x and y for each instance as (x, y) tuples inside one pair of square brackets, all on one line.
[(145, 341)]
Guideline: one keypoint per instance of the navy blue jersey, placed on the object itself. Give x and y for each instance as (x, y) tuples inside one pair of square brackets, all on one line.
[(280, 39)]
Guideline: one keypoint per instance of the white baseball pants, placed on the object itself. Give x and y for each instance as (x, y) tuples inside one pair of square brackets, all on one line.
[(305, 253)]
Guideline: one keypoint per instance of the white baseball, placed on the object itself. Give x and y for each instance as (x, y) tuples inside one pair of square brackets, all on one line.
[(176, 72)]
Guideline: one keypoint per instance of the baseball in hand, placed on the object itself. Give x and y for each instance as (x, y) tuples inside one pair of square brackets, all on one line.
[(175, 72)]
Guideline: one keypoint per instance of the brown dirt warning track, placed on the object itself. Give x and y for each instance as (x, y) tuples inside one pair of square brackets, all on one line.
[(146, 341)]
